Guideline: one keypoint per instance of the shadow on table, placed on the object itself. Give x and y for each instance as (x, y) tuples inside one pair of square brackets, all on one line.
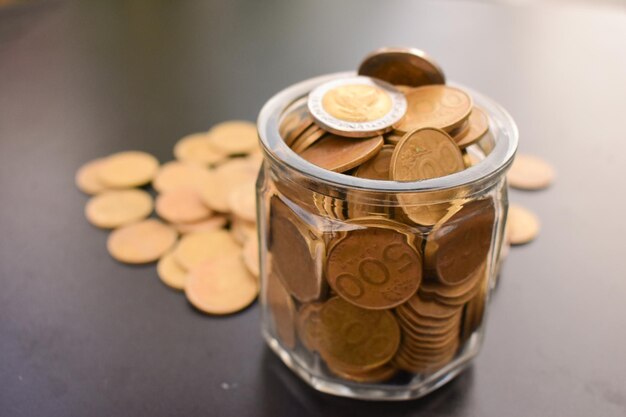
[(285, 394)]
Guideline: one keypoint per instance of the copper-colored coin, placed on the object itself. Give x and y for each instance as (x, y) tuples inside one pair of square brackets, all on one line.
[(128, 169), (283, 311), (378, 167), (174, 174), (224, 179), (242, 201), (374, 268), (431, 309), (182, 205), (307, 138), (234, 137), (116, 208), (251, 256), (458, 246), (87, 179), (198, 149), (141, 242), (428, 325), (455, 294), (340, 154), (522, 225), (195, 248), (242, 230), (402, 66), (355, 338), (380, 374), (438, 106), (170, 272), (530, 173), (422, 366), (308, 325), (295, 121), (474, 311), (298, 256), (393, 137), (221, 286), (215, 222), (477, 128)]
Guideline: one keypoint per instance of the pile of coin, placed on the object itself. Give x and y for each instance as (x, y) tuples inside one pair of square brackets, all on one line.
[(205, 242)]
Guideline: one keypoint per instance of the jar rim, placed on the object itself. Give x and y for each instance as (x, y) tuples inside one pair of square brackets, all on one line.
[(502, 125)]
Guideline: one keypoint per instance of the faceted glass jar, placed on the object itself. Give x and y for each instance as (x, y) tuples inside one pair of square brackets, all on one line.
[(377, 289)]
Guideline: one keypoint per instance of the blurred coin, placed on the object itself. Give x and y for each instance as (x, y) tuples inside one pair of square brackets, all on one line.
[(242, 230), (142, 242), (478, 125), (116, 208), (175, 174), (251, 256), (283, 311), (87, 179), (215, 222), (356, 106), (402, 66), (378, 167), (198, 149), (181, 205), (340, 154), (195, 248), (234, 137), (308, 325), (128, 169), (225, 178), (530, 173), (242, 201), (522, 225), (170, 272)]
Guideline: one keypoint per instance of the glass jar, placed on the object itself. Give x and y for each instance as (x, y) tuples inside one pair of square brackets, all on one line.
[(377, 289)]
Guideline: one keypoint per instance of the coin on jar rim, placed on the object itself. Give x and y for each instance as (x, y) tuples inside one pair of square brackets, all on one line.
[(181, 205), (307, 138), (86, 178), (195, 248), (215, 222), (522, 225), (439, 106), (170, 272), (197, 149), (176, 174), (530, 173), (378, 167), (142, 242), (234, 137), (116, 208), (478, 126), (242, 201), (128, 169), (402, 66), (339, 154), (295, 120), (283, 311), (220, 286), (224, 179), (356, 106)]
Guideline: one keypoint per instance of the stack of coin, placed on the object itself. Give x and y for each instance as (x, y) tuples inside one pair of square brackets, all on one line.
[(206, 197)]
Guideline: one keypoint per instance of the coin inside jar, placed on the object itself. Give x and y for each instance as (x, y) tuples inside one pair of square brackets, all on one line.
[(402, 66), (356, 106), (477, 127), (340, 154), (283, 311), (378, 167)]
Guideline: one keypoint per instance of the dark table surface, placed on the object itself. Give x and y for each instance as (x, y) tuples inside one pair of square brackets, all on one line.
[(81, 335)]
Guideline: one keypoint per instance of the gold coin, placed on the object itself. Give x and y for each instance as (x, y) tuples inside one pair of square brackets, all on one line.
[(242, 202), (215, 222), (141, 242), (173, 175), (116, 208), (198, 247), (378, 167), (438, 106), (220, 286), (198, 149), (181, 205), (355, 338), (477, 128), (170, 272), (522, 224), (128, 169), (340, 154), (307, 138), (225, 178), (408, 67), (87, 179), (380, 374), (530, 173), (393, 137), (374, 268), (251, 256), (283, 311), (308, 325), (242, 230), (234, 137)]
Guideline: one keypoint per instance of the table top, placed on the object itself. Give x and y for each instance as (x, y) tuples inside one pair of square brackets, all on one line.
[(83, 335)]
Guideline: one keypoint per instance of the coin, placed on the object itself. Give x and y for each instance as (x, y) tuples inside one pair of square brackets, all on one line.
[(522, 224), (340, 154), (402, 66), (355, 338), (438, 106), (116, 208), (378, 167), (530, 173), (128, 169), (307, 138), (176, 174), (197, 247), (142, 242), (380, 374), (215, 222), (251, 256), (220, 286), (181, 205), (198, 149), (224, 179), (296, 120), (242, 230), (393, 137), (374, 268), (242, 201), (234, 137), (283, 311), (308, 325), (170, 272), (356, 106), (477, 128), (455, 294), (87, 179), (432, 309)]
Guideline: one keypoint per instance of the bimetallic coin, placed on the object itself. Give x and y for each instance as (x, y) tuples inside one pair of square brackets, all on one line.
[(283, 311), (142, 242), (128, 169), (477, 128), (522, 225), (530, 173), (438, 106), (340, 154), (402, 66), (378, 167), (356, 106), (116, 208), (87, 180)]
